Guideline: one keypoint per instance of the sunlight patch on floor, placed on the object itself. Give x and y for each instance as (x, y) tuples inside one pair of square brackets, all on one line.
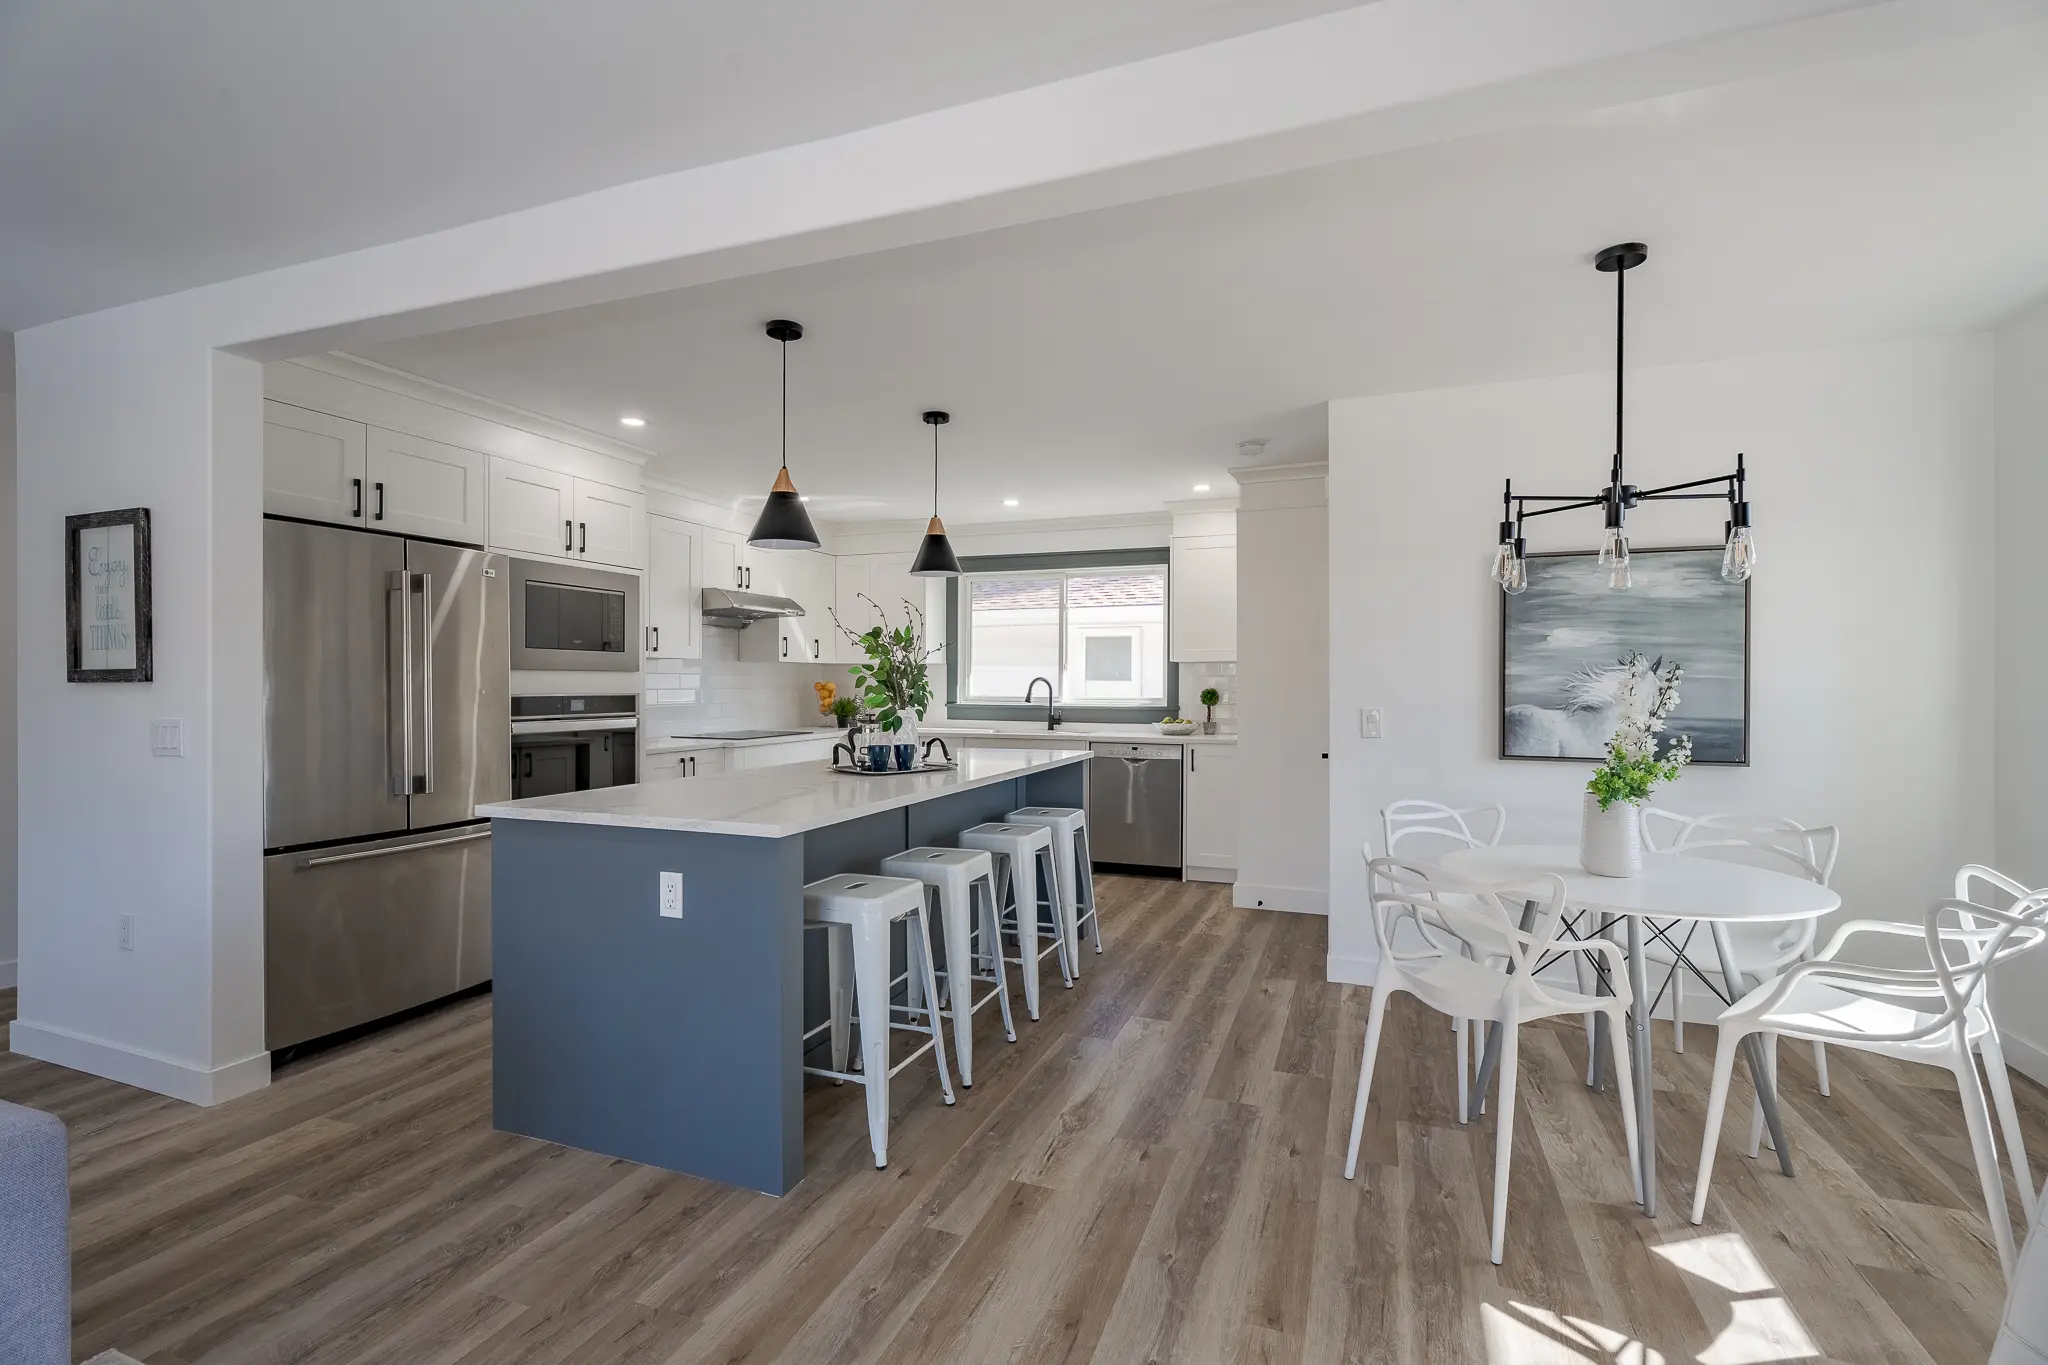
[(1760, 1332), (1524, 1334), (1724, 1259)]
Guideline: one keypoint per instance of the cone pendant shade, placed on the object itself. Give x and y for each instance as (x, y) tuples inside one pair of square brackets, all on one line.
[(783, 523), (935, 558)]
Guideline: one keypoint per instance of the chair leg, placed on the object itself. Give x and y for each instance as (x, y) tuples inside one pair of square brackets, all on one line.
[(1820, 1065), (1084, 868), (1464, 1028), (839, 976), (1756, 1113), (1678, 1008), (2000, 1082), (871, 996), (956, 920), (1010, 892), (1625, 1088), (1375, 1016), (992, 937), (1048, 879), (922, 968), (1504, 1132), (1717, 1107), (1978, 1119)]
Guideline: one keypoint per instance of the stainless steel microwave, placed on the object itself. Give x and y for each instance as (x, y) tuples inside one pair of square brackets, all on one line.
[(567, 617)]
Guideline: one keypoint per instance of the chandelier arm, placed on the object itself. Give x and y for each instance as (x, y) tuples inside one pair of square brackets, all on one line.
[(1671, 488), (1565, 507), (1685, 497)]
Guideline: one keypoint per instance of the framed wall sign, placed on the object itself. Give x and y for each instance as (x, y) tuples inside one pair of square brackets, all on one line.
[(106, 596), (1562, 643)]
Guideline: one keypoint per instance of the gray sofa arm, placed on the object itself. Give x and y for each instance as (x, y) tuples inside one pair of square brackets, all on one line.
[(35, 1239)]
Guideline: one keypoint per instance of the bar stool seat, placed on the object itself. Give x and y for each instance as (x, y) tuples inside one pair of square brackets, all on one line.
[(861, 910), (1026, 887), (1076, 870), (964, 881)]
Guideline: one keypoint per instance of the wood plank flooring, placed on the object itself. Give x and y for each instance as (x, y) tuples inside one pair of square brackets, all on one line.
[(1152, 1174)]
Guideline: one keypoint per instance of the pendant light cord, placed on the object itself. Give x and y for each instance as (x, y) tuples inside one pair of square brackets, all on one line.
[(935, 469), (1620, 334), (785, 405)]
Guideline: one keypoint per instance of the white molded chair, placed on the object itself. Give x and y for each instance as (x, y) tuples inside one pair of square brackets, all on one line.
[(1509, 992), (1418, 831), (1872, 1009), (1761, 950)]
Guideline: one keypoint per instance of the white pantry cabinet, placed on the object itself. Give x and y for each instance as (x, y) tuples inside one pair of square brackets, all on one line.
[(420, 487), (1209, 835), (675, 576), (537, 511), (314, 466), (1204, 597)]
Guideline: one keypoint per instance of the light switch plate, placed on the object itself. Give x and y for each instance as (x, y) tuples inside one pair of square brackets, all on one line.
[(671, 895), (167, 738), (1371, 724)]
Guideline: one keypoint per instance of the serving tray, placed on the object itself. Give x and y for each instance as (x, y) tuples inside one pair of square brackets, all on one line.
[(931, 767)]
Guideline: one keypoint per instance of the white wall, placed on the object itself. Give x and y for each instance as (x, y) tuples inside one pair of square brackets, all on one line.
[(7, 653), (1870, 700), (2020, 659), (1283, 642)]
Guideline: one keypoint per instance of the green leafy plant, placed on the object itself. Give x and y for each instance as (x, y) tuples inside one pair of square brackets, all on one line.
[(845, 708), (1633, 768), (896, 679), (1211, 697)]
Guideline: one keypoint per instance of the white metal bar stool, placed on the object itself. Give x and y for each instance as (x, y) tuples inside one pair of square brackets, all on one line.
[(1026, 887), (1069, 828), (964, 881), (862, 909)]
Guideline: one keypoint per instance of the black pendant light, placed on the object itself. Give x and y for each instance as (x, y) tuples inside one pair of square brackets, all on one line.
[(783, 523), (935, 558), (1619, 497)]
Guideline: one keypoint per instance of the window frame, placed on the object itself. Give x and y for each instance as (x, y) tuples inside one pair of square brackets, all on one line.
[(1093, 713)]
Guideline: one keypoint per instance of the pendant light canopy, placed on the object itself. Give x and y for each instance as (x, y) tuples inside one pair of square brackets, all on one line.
[(783, 523), (1510, 558), (935, 558)]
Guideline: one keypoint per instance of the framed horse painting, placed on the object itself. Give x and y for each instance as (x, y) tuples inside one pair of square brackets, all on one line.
[(1566, 643)]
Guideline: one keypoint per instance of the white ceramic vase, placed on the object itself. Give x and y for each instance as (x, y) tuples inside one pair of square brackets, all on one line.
[(1611, 840)]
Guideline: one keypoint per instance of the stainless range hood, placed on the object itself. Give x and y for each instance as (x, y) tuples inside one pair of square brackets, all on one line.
[(738, 610)]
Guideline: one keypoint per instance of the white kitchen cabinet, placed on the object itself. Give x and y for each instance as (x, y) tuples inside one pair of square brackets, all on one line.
[(314, 466), (684, 763), (725, 560), (1204, 597), (611, 525), (807, 577), (675, 575), (1209, 834), (419, 487), (533, 510), (871, 591)]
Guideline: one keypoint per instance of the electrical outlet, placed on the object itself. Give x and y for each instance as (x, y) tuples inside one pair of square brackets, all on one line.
[(127, 933), (671, 895), (1371, 724)]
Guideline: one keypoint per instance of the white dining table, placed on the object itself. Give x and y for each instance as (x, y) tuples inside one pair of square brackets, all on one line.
[(1671, 889)]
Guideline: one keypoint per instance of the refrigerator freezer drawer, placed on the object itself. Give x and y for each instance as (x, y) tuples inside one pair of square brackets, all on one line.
[(359, 931)]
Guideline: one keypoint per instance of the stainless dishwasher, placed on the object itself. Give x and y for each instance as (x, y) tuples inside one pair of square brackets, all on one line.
[(1134, 804)]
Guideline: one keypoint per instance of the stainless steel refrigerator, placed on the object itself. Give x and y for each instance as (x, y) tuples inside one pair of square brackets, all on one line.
[(386, 672)]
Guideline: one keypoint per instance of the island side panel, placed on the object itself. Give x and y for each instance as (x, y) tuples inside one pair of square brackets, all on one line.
[(672, 1042), (1066, 785)]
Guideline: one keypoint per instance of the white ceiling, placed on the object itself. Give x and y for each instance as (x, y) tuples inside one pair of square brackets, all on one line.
[(1107, 362), (147, 148)]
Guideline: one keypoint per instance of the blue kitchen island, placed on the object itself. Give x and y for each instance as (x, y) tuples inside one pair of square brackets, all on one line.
[(676, 1039)]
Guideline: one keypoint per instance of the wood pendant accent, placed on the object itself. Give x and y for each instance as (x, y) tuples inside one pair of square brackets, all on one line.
[(936, 528), (783, 483)]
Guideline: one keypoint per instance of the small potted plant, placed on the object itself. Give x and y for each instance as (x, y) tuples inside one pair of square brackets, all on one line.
[(1611, 828), (895, 682), (844, 709), (1210, 699)]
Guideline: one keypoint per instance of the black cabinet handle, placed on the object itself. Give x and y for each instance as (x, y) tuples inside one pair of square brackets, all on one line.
[(1191, 758), (814, 649), (568, 537), (654, 639), (380, 502), (785, 646), (583, 536), (359, 497), (693, 766), (529, 765)]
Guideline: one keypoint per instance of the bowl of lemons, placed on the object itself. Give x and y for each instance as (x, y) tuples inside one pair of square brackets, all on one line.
[(1174, 725)]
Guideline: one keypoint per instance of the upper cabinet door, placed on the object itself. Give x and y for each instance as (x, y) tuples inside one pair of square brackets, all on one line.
[(533, 510), (314, 466), (424, 488), (725, 558), (611, 525), (1204, 595), (675, 571)]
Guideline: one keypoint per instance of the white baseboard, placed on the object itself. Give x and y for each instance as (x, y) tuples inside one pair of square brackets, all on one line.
[(145, 1070), (10, 971), (1303, 900), (2029, 1059), (1208, 874)]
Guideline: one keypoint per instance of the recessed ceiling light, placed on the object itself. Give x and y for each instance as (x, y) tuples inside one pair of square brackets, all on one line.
[(804, 497), (1009, 502), (632, 421), (1201, 488)]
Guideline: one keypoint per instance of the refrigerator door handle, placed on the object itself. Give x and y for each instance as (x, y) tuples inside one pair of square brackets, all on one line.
[(425, 785), (398, 710), (331, 858)]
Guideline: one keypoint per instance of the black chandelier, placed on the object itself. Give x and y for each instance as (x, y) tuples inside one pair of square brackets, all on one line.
[(1738, 552)]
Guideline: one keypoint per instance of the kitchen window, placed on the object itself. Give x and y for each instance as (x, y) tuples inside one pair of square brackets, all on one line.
[(1094, 624)]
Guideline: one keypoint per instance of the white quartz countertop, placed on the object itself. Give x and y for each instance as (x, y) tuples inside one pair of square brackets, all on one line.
[(772, 803), (1071, 734), (671, 744)]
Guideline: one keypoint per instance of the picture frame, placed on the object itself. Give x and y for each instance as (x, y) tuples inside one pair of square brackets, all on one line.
[(107, 597), (1561, 638)]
